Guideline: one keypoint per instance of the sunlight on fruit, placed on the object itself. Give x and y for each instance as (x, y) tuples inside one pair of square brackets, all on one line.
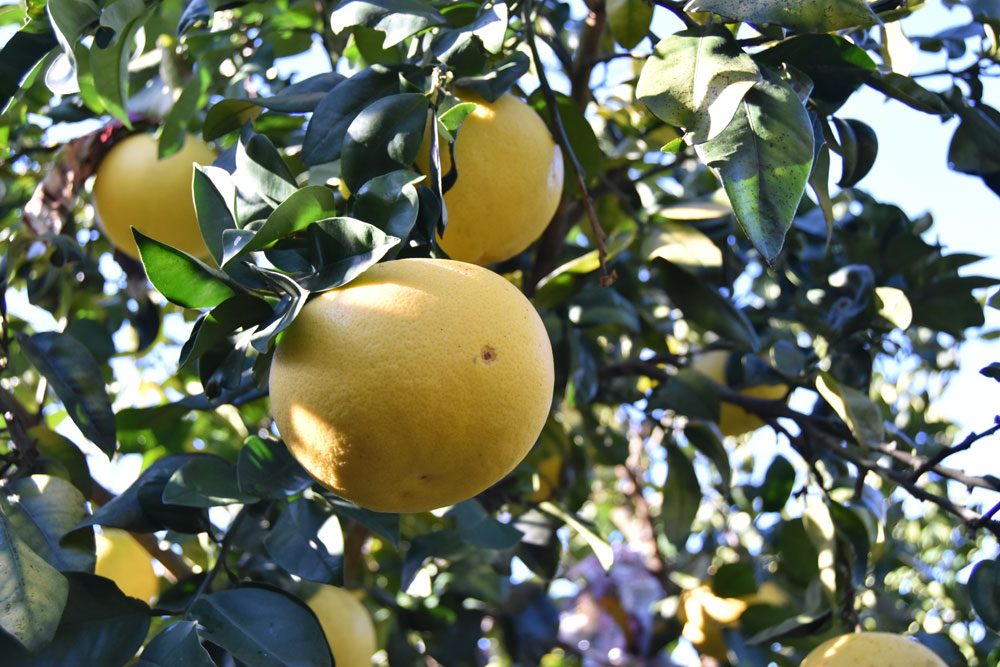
[(883, 649), (123, 560), (347, 625)]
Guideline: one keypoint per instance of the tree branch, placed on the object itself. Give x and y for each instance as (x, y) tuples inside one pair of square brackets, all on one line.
[(970, 440)]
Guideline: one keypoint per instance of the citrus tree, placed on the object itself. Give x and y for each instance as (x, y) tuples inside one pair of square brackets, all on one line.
[(691, 421)]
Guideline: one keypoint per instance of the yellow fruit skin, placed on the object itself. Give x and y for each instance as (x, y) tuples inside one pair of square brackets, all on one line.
[(510, 180), (418, 385), (704, 614), (133, 188), (734, 420), (347, 625), (872, 649), (549, 470), (125, 561)]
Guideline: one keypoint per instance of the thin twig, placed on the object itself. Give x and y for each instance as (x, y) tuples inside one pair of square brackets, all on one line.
[(220, 562), (970, 440)]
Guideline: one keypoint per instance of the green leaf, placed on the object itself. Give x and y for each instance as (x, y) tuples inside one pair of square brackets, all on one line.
[(818, 524), (629, 21), (390, 202), (481, 529), (682, 245), (216, 327), (100, 626), (494, 83), (60, 451), (71, 19), (205, 481), (734, 579), (306, 541), (398, 19), (337, 110), (181, 278), (33, 593), (214, 201), (344, 249), (895, 307), (697, 82), (298, 211), (706, 308), (266, 469), (178, 644), (193, 97), (385, 136), (909, 92), (835, 65), (859, 412), (764, 158), (262, 627), (77, 381), (984, 592), (972, 148), (602, 550), (705, 440), (681, 497), (779, 482), (42, 509), (801, 15), (261, 169), (687, 393), (862, 142), (109, 66), (578, 129)]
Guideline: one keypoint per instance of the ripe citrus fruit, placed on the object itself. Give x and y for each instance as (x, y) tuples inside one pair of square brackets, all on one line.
[(347, 625), (546, 478), (417, 385), (704, 614), (133, 188), (510, 180), (884, 649), (734, 420), (124, 561)]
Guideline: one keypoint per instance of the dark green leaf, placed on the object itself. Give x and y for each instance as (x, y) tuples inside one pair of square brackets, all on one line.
[(681, 497), (707, 442), (687, 393), (205, 481), (266, 469), (835, 65), (398, 19), (262, 627), (603, 307), (706, 308), (178, 645), (857, 161), (109, 66), (974, 146), (733, 580), (22, 52), (389, 202), (182, 279), (385, 136), (335, 112), (381, 523), (579, 131), (242, 311), (697, 82), (764, 157), (857, 410), (778, 484), (497, 81), (300, 542), (77, 381), (33, 593), (984, 592), (298, 211), (71, 19), (100, 626), (481, 529)]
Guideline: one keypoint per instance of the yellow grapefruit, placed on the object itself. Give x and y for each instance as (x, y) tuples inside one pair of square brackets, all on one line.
[(734, 420), (133, 188), (510, 180), (418, 385), (883, 649), (347, 625), (123, 560)]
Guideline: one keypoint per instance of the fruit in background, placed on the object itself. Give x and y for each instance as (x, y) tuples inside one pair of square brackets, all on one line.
[(884, 649), (417, 385), (734, 420), (704, 614), (123, 560), (546, 478), (510, 180), (133, 188), (347, 625)]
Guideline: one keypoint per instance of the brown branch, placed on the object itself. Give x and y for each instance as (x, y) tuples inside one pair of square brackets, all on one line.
[(970, 440)]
